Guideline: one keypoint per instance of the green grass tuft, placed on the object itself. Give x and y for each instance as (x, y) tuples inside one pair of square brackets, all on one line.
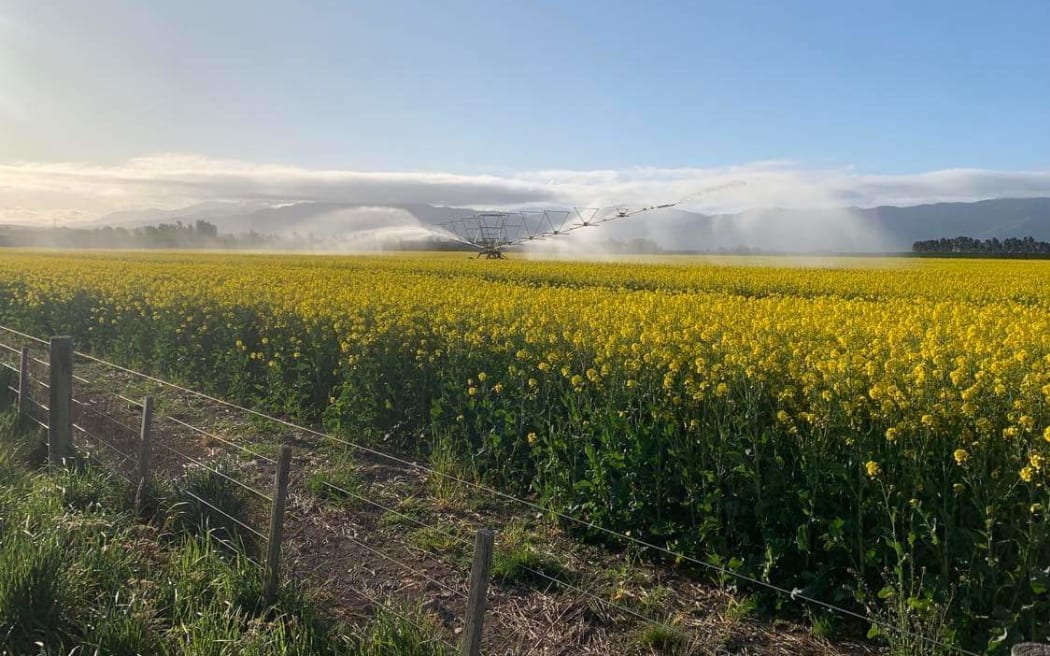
[(338, 482), (662, 639), (517, 559), (36, 602), (186, 512), (412, 633)]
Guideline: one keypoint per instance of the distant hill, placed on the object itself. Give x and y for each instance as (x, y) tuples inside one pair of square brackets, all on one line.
[(877, 229), (1000, 217)]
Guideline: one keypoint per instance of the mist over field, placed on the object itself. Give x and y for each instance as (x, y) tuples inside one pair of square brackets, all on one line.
[(334, 227), (774, 206)]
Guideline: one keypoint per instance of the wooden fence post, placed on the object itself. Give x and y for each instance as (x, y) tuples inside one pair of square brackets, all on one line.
[(23, 382), (479, 583), (60, 405), (273, 543), (145, 436)]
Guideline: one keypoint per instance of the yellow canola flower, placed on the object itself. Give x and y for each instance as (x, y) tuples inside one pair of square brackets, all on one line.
[(851, 349)]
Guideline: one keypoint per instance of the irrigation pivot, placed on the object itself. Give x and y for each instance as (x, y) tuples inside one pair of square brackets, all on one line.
[(490, 233)]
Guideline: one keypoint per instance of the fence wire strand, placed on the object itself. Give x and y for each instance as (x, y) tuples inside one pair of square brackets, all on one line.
[(400, 615), (106, 443), (133, 402), (215, 437), (406, 567), (90, 410), (38, 422), (445, 533), (226, 515), (171, 449), (37, 403), (605, 602), (234, 548), (90, 455), (25, 335)]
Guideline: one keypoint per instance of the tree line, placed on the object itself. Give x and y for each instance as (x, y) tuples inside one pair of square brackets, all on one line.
[(994, 247), (199, 234)]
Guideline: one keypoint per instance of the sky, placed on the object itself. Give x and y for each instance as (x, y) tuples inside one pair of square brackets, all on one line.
[(109, 105)]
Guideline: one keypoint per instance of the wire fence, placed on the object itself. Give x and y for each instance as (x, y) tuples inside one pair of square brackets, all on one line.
[(109, 423), (108, 433)]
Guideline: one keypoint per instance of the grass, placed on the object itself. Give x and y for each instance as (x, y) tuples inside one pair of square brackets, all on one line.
[(209, 502), (410, 634), (441, 542), (81, 573), (411, 517), (409, 510), (338, 482), (661, 639), (518, 560)]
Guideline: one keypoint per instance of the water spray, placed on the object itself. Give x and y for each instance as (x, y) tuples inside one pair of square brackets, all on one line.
[(490, 233)]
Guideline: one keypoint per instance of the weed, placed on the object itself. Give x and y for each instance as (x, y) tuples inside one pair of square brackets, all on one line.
[(740, 608)]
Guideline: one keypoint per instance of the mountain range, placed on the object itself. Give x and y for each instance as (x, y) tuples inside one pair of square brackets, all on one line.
[(876, 229)]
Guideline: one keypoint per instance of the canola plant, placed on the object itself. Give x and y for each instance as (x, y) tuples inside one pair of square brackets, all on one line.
[(873, 432)]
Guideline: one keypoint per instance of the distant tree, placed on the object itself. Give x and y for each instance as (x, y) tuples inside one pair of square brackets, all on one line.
[(205, 229)]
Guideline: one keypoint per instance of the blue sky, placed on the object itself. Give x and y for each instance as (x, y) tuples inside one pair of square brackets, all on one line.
[(500, 88)]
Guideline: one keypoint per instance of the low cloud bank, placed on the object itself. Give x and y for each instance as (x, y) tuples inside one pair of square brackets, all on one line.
[(70, 193)]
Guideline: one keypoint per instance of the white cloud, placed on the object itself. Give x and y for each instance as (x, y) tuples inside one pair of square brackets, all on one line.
[(71, 192)]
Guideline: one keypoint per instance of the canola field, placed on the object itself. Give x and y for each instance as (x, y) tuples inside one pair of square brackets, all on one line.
[(873, 432)]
